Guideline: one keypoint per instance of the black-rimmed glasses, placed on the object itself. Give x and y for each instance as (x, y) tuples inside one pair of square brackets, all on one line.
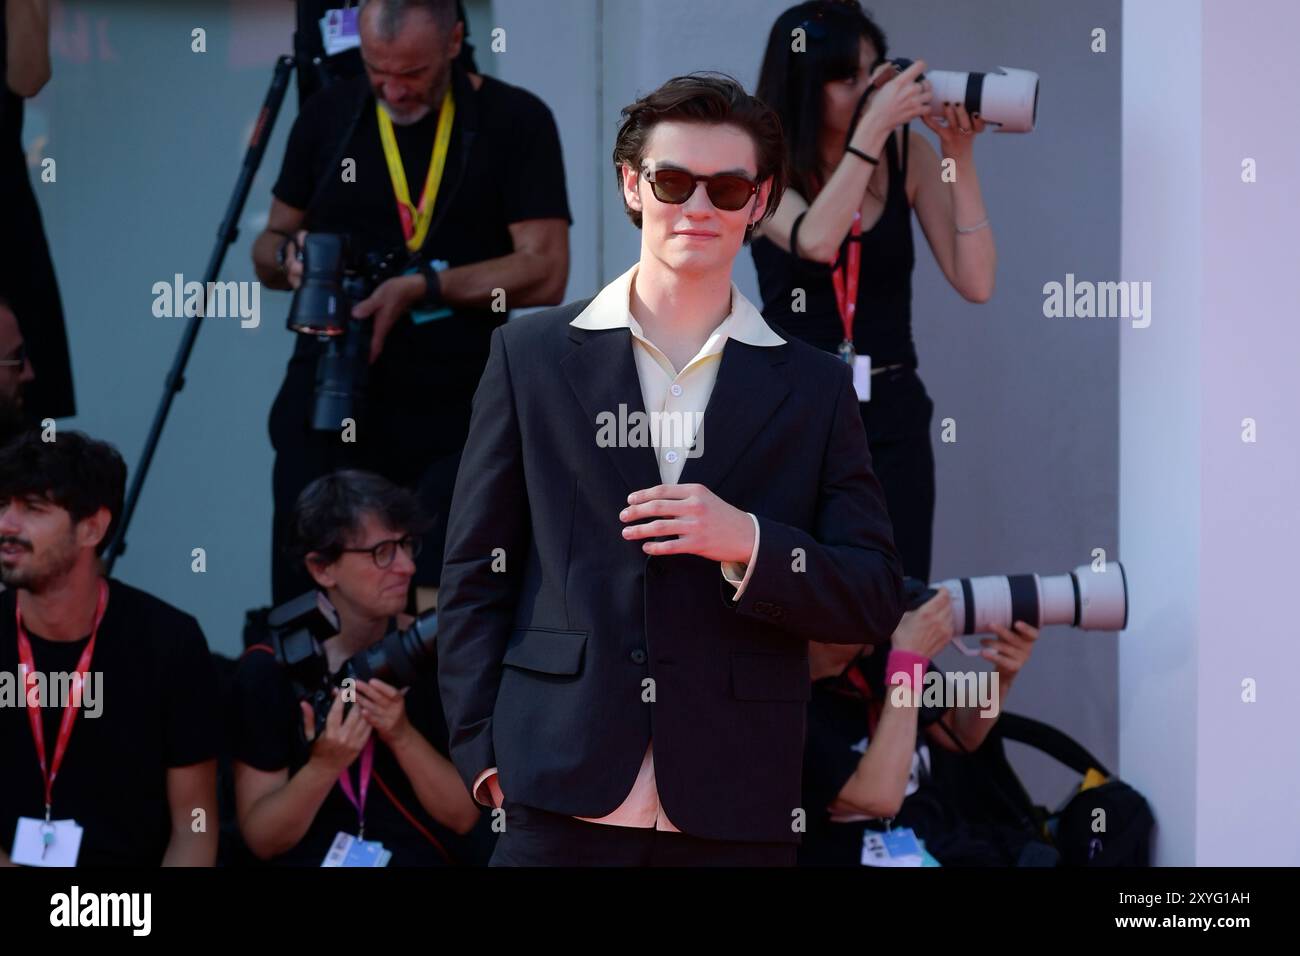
[(384, 552)]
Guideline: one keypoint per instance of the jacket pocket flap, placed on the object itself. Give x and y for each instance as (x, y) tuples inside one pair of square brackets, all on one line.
[(550, 652), (769, 677)]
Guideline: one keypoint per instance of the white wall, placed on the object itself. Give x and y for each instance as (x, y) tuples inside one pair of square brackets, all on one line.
[(1207, 521)]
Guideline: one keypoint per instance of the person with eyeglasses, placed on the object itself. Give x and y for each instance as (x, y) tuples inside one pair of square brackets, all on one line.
[(661, 502), (835, 260), (378, 770), (15, 374)]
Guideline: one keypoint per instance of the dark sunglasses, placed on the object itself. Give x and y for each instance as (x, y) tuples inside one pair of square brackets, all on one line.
[(675, 186)]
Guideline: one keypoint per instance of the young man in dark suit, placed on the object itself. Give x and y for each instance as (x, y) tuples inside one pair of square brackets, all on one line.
[(661, 502)]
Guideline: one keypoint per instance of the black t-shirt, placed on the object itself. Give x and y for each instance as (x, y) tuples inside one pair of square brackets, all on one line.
[(158, 708), (504, 165), (266, 734), (837, 739)]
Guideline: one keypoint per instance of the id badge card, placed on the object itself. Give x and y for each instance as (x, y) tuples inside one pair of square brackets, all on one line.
[(898, 847), (861, 365), (862, 377), (37, 843), (339, 30), (420, 317), (347, 850)]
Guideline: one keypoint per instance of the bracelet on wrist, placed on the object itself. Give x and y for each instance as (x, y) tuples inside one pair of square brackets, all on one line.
[(861, 155)]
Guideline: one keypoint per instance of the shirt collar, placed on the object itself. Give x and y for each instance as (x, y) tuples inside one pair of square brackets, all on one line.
[(611, 309)]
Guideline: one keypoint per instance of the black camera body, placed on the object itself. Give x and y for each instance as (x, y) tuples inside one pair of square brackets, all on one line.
[(337, 273), (298, 629)]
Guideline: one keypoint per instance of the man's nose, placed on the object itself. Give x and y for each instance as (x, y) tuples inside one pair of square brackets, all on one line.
[(9, 527), (700, 205), (28, 373)]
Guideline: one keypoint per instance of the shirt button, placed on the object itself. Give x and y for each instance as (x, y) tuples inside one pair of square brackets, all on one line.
[(670, 457), (675, 389), (638, 656)]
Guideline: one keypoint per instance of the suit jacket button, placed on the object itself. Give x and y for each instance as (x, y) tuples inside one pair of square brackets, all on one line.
[(638, 656)]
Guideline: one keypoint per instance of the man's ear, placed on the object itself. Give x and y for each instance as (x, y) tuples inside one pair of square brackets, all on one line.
[(631, 188), (760, 202), (90, 530), (319, 571)]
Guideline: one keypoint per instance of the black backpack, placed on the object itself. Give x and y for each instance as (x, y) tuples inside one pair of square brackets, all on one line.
[(1109, 824), (1126, 839)]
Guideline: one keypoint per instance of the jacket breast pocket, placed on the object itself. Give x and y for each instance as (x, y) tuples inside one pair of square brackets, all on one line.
[(546, 651), (769, 677)]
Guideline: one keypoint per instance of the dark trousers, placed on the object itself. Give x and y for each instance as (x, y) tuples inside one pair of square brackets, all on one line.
[(534, 837), (897, 420)]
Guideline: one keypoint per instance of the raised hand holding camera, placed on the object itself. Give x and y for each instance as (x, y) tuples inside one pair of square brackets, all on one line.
[(341, 740), (894, 97)]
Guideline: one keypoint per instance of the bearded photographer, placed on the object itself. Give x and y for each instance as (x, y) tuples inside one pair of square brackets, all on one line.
[(116, 767), (867, 760), (378, 769), (461, 176)]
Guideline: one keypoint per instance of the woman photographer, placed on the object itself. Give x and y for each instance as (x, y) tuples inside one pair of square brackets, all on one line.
[(821, 59), (378, 769), (867, 760)]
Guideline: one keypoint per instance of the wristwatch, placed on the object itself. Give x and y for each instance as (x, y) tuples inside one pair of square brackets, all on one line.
[(282, 254), (432, 285)]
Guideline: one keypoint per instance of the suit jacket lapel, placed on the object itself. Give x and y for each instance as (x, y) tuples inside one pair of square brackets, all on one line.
[(745, 396), (602, 373)]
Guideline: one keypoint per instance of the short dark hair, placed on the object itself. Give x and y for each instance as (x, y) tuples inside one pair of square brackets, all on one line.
[(444, 12), (791, 81), (74, 471), (703, 97), (329, 511)]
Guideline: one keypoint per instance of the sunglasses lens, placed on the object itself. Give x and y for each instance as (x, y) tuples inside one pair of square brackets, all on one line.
[(673, 186), (730, 192)]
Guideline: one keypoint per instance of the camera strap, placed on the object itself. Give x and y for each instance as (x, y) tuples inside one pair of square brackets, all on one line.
[(415, 219)]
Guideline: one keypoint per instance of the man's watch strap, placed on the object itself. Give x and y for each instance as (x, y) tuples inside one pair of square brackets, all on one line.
[(282, 253), (433, 286)]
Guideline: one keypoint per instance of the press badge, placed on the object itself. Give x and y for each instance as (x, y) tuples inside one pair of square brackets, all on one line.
[(898, 847), (862, 377), (338, 30), (348, 850), (37, 843)]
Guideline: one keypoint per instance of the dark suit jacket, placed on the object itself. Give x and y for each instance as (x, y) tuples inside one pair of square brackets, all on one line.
[(544, 658)]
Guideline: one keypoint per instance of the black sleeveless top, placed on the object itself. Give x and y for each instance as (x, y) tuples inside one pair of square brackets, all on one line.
[(882, 325)]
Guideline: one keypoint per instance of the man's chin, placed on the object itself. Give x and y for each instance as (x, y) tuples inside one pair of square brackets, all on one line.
[(405, 117)]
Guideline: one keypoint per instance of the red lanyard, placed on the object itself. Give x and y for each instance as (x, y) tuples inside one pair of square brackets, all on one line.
[(846, 279), (858, 681), (367, 764), (28, 663)]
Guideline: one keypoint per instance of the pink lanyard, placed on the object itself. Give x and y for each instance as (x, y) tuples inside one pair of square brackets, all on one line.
[(345, 781)]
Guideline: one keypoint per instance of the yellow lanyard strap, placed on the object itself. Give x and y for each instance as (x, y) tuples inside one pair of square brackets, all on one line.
[(415, 220)]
